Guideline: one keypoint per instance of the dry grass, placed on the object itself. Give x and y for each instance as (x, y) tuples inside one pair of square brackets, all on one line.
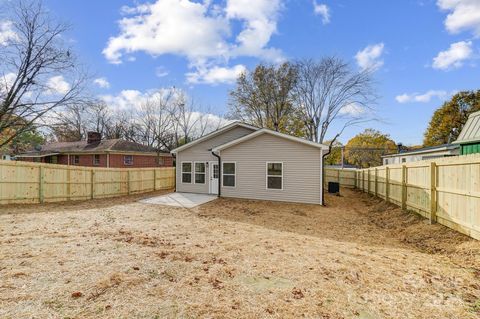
[(356, 258)]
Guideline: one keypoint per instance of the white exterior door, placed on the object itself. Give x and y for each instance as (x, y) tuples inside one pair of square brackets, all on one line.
[(214, 175)]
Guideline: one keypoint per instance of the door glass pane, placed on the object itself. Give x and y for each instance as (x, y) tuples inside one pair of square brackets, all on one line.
[(215, 171), (274, 182), (274, 168)]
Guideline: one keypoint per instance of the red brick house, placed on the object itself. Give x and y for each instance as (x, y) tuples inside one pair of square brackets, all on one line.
[(96, 152)]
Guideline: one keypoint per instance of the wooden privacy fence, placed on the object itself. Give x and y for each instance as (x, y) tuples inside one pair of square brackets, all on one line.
[(23, 182), (344, 176), (444, 190)]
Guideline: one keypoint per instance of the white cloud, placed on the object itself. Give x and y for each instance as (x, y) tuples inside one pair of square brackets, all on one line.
[(58, 85), (422, 98), (322, 10), (352, 109), (161, 72), (465, 15), (200, 31), (370, 57), (102, 82), (6, 32), (216, 74), (125, 100), (454, 57)]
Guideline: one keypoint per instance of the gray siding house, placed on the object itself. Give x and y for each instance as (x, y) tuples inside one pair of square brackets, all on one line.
[(243, 161)]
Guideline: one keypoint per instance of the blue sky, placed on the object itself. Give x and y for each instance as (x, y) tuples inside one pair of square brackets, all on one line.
[(423, 51)]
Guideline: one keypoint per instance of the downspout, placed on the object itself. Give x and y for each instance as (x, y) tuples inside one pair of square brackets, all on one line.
[(174, 156), (219, 172), (323, 174)]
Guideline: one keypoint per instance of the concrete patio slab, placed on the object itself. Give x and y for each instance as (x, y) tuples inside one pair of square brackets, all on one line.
[(186, 200)]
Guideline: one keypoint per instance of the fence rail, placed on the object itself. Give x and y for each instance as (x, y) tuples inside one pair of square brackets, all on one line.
[(344, 176), (444, 190), (23, 182)]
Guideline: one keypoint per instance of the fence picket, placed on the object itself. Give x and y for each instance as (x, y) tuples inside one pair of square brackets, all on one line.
[(38, 183)]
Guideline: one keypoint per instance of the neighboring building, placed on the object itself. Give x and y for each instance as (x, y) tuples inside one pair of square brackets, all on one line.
[(98, 153), (421, 154), (243, 161), (469, 138), (5, 157)]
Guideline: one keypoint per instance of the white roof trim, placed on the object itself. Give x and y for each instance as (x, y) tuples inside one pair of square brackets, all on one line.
[(36, 155), (274, 133), (441, 148), (212, 134)]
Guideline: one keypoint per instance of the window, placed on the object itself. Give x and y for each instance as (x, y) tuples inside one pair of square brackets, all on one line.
[(386, 161), (161, 161), (199, 173), (76, 159), (187, 172), (96, 159), (274, 175), (128, 159), (54, 159), (228, 174), (404, 160)]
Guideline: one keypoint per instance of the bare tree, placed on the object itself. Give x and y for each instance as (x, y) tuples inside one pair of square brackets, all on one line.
[(264, 97), (183, 114), (70, 124), (328, 90), (157, 121), (34, 70), (99, 116)]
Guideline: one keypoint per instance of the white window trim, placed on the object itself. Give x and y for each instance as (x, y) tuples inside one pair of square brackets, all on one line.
[(191, 172), (125, 163), (195, 172), (267, 176), (234, 174)]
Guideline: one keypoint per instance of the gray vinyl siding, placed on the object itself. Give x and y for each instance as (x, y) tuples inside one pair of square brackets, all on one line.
[(201, 152), (301, 170)]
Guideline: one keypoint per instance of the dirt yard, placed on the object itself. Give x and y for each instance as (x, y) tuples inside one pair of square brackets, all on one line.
[(117, 258)]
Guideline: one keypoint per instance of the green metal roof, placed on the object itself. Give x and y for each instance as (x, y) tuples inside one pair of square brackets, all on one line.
[(471, 130)]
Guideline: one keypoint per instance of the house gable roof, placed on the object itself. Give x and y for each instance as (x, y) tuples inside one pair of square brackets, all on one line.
[(213, 134), (103, 146), (270, 132), (471, 130)]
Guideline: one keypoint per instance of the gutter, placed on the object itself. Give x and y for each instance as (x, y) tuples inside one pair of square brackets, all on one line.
[(219, 172)]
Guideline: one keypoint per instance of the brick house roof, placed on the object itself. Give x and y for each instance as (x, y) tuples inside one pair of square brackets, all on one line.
[(103, 146)]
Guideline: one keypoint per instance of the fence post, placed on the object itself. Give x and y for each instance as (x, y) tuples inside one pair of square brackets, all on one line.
[(404, 187), (154, 179), (68, 184), (376, 182), (387, 181), (368, 181), (363, 181), (128, 182), (433, 192), (41, 186), (92, 183)]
